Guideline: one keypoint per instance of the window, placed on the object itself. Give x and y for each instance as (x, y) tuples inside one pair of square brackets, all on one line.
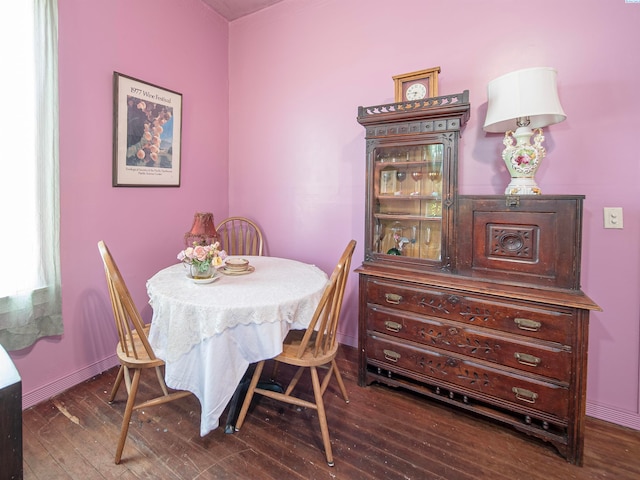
[(30, 304)]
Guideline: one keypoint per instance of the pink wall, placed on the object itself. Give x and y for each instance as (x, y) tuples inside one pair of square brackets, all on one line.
[(180, 45), (300, 69), (290, 153)]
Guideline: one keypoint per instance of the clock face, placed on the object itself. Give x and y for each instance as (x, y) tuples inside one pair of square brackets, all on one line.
[(417, 91)]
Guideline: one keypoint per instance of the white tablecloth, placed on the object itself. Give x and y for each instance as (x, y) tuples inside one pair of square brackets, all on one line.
[(208, 334)]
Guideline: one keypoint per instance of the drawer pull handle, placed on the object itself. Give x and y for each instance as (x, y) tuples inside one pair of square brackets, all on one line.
[(391, 355), (525, 395), (393, 326), (526, 324), (526, 359), (393, 298)]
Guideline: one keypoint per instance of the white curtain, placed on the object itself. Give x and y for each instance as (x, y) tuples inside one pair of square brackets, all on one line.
[(30, 296)]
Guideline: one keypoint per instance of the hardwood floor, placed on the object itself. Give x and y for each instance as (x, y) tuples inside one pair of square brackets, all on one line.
[(381, 434)]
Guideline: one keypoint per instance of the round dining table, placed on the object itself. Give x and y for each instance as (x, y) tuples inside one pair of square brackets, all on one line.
[(209, 333)]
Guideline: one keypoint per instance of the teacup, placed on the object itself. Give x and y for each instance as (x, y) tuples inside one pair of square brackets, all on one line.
[(236, 264)]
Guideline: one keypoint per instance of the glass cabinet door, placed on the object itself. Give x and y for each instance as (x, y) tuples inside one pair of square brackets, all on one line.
[(407, 201)]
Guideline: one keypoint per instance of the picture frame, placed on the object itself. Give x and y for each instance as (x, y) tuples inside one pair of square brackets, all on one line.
[(425, 81), (147, 134)]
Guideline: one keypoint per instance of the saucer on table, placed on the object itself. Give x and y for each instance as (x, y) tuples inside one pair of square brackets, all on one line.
[(230, 271)]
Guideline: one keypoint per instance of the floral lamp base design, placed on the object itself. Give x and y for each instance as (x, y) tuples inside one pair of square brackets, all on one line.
[(522, 160)]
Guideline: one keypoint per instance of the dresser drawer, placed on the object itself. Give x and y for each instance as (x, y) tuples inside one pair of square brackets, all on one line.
[(515, 317), (517, 390), (550, 360)]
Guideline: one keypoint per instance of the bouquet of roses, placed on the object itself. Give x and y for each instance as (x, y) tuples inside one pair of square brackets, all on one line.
[(201, 257)]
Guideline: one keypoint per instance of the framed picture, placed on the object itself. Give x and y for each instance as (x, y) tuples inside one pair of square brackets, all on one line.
[(147, 128), (416, 85)]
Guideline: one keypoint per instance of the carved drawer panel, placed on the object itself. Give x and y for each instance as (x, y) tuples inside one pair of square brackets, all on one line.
[(550, 360), (517, 390), (514, 317)]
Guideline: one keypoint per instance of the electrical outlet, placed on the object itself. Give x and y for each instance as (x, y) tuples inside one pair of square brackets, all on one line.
[(612, 217)]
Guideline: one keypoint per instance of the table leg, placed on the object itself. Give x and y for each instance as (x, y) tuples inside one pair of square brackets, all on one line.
[(241, 391), (236, 402)]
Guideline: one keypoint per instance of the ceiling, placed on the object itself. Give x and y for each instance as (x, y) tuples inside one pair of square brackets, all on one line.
[(233, 9)]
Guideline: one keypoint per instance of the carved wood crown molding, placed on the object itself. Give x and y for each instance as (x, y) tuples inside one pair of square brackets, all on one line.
[(443, 126), (444, 106)]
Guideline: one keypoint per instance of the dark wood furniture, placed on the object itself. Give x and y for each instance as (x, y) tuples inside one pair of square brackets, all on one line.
[(10, 418), (479, 305)]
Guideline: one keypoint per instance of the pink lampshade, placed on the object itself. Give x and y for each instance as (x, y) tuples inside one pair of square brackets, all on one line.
[(203, 230)]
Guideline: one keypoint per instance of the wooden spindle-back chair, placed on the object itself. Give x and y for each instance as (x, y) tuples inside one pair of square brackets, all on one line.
[(309, 349), (133, 350), (240, 236)]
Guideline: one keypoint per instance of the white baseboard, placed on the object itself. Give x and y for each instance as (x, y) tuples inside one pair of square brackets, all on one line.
[(58, 386), (609, 414), (348, 340)]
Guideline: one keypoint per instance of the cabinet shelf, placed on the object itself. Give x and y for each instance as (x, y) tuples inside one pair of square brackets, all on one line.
[(385, 197), (406, 216), (410, 165)]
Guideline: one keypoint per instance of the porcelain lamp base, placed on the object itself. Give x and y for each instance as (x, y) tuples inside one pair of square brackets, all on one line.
[(522, 186), (522, 160)]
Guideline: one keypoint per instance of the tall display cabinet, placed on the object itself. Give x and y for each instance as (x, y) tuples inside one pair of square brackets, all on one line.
[(471, 300)]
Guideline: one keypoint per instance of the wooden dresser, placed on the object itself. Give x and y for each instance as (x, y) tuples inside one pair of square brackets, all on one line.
[(475, 302)]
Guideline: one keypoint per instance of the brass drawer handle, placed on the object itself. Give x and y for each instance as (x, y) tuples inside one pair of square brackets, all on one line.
[(526, 324), (526, 359), (393, 298), (393, 326), (525, 395), (391, 355)]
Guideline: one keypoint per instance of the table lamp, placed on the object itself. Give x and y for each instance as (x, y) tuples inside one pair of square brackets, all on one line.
[(203, 230), (528, 101)]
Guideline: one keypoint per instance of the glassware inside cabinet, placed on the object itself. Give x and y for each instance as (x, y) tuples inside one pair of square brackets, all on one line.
[(421, 239), (408, 201)]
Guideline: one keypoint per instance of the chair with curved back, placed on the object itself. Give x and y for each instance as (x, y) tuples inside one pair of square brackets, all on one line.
[(240, 236), (314, 347), (133, 350)]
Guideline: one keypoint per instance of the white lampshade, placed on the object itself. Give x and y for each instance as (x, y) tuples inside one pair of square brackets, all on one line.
[(531, 92)]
